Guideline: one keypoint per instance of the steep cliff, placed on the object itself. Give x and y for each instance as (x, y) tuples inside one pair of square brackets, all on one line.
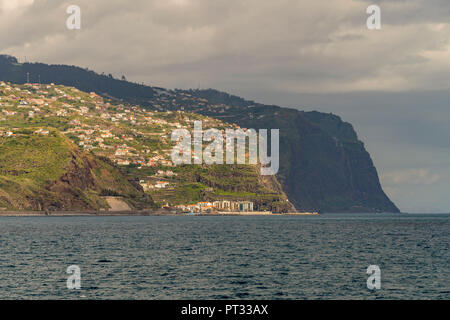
[(323, 165)]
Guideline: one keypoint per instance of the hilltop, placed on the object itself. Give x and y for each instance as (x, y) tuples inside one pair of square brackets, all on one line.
[(323, 165), (65, 149)]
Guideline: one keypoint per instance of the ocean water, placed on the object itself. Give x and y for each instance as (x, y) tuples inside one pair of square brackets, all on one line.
[(267, 257)]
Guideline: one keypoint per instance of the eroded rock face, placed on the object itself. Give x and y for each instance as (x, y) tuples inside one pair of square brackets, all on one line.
[(78, 175), (71, 186)]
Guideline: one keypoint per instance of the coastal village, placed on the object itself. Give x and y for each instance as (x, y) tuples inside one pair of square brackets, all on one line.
[(218, 206), (136, 139)]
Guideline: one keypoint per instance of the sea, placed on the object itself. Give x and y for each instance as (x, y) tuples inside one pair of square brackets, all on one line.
[(322, 257)]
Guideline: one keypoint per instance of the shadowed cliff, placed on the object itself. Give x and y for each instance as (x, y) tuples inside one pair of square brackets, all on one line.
[(323, 165)]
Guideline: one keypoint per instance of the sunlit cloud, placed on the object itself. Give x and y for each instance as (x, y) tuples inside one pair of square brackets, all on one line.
[(11, 5), (410, 176)]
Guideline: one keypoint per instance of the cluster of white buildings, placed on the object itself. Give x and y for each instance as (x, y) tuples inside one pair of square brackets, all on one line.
[(219, 206), (147, 186)]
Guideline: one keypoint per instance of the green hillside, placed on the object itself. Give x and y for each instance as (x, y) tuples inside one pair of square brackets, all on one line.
[(33, 160), (323, 165), (64, 149), (49, 173)]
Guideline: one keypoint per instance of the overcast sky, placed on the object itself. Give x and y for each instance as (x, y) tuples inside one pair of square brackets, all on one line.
[(392, 84)]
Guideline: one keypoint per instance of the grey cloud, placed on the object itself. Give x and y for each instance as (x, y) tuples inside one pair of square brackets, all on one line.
[(307, 46)]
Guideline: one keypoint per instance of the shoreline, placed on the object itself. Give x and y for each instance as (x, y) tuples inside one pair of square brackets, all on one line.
[(83, 213), (136, 213)]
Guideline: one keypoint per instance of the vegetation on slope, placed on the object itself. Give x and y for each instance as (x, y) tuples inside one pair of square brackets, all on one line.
[(125, 147), (49, 173), (323, 164)]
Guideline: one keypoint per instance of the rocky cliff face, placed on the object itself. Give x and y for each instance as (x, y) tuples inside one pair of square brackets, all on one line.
[(323, 165)]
